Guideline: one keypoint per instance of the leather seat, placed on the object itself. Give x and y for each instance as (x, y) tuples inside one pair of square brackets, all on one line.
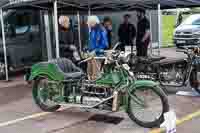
[(149, 60), (68, 68)]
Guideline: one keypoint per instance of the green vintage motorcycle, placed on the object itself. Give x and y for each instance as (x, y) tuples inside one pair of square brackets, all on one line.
[(60, 82)]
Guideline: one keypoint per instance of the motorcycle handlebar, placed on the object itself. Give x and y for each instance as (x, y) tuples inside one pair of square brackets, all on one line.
[(183, 51), (187, 52)]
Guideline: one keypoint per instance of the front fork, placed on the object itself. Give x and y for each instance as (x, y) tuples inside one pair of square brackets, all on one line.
[(188, 74)]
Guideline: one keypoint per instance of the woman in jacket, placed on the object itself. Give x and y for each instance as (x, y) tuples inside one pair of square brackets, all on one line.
[(98, 40)]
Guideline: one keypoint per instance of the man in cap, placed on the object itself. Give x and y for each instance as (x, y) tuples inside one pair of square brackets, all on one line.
[(126, 33), (143, 33)]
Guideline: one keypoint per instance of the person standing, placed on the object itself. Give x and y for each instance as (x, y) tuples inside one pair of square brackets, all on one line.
[(126, 33), (107, 23), (66, 39), (143, 33), (98, 41)]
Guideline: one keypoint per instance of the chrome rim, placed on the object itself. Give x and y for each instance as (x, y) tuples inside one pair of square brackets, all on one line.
[(152, 108), (43, 93)]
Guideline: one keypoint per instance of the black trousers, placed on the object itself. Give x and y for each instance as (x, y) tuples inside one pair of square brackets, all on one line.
[(142, 49)]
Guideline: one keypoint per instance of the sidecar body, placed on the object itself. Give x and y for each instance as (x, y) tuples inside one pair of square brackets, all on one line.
[(58, 70)]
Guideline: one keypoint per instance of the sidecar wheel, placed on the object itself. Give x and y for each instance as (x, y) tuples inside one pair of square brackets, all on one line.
[(155, 105), (40, 102)]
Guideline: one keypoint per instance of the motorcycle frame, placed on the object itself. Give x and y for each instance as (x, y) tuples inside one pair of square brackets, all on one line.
[(125, 87)]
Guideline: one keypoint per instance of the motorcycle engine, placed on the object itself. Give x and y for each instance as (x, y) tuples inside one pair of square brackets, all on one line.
[(93, 94), (172, 73)]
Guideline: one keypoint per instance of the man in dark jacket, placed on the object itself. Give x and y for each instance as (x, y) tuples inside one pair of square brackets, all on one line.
[(126, 33), (66, 39), (143, 33)]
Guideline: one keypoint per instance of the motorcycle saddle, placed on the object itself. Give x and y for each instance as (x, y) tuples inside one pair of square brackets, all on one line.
[(149, 60), (68, 68)]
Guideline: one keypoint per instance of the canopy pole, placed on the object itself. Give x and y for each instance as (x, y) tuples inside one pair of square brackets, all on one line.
[(4, 44), (56, 29), (79, 32), (159, 29), (151, 46), (89, 12), (48, 36)]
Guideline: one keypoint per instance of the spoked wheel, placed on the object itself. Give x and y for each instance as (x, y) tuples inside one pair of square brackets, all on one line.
[(147, 106), (42, 95), (195, 80)]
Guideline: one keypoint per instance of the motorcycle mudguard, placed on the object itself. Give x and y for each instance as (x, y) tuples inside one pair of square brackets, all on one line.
[(139, 84), (144, 83), (46, 69)]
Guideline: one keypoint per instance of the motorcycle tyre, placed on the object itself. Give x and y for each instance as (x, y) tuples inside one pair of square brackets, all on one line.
[(38, 101), (157, 122)]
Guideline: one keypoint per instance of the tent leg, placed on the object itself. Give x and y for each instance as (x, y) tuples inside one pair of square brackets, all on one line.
[(151, 46), (159, 29), (56, 29), (48, 36), (79, 32), (89, 12), (4, 44)]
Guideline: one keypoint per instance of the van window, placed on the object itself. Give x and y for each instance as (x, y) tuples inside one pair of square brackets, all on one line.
[(22, 23), (192, 20), (196, 22)]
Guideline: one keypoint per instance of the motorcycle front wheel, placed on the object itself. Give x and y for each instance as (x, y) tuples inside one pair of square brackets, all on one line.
[(148, 106)]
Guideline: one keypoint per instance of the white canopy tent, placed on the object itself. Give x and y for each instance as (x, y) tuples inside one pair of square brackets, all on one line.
[(88, 6)]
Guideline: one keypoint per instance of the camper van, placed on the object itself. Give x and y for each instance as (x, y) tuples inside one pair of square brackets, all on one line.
[(23, 39)]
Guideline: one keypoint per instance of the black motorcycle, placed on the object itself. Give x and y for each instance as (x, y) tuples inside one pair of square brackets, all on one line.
[(178, 73)]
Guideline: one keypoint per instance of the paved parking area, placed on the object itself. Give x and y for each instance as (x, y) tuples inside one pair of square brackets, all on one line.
[(19, 114)]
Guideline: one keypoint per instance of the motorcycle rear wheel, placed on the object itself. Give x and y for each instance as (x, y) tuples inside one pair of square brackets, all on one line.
[(141, 114), (40, 99)]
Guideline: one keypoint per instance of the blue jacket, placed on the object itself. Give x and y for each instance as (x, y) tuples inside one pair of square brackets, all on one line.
[(98, 39)]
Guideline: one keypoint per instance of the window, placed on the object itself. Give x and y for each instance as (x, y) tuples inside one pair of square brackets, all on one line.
[(192, 20), (196, 22)]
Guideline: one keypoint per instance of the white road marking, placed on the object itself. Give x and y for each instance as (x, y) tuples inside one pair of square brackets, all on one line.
[(3, 124)]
